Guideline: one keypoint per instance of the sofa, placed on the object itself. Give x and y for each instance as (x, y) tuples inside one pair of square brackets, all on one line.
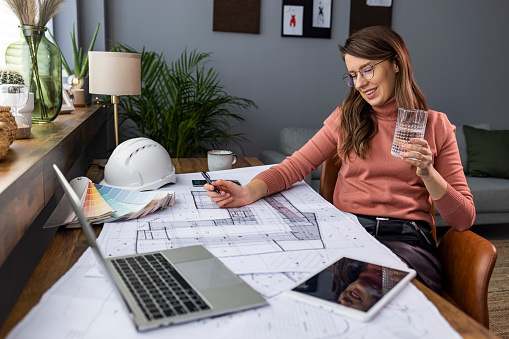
[(290, 140), (491, 195)]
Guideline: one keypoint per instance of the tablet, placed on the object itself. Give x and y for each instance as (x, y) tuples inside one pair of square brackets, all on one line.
[(353, 287)]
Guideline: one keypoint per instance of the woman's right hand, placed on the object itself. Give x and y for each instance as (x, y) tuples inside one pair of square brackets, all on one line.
[(233, 195)]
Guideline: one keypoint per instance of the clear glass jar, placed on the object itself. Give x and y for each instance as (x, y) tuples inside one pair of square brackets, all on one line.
[(40, 63)]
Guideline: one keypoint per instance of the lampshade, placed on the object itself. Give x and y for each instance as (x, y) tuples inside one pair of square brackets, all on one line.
[(114, 73)]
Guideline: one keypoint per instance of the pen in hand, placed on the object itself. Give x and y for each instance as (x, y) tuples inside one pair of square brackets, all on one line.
[(207, 178)]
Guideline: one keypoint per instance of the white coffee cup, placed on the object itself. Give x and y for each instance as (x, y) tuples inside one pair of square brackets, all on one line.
[(220, 160)]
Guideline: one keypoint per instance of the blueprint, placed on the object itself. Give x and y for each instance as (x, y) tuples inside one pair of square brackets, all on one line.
[(272, 244)]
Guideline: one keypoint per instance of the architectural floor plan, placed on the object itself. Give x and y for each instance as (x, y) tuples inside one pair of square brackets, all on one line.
[(272, 244), (288, 231)]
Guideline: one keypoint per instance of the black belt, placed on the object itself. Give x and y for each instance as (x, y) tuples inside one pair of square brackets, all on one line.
[(413, 232)]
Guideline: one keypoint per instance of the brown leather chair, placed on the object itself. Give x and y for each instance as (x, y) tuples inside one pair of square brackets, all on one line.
[(329, 176), (467, 259), (467, 264)]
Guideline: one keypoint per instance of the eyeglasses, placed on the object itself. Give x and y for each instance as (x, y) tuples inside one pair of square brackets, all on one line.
[(367, 72)]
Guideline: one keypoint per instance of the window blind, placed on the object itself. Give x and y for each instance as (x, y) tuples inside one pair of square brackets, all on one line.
[(9, 31)]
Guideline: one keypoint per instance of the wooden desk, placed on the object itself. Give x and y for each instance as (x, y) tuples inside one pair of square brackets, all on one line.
[(69, 244)]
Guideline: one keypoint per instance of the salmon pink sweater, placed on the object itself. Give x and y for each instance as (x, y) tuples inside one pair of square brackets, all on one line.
[(381, 184)]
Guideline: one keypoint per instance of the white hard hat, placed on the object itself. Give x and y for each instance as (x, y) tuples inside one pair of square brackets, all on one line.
[(139, 164)]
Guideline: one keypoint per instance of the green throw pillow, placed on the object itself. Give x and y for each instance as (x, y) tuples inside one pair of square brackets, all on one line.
[(488, 152)]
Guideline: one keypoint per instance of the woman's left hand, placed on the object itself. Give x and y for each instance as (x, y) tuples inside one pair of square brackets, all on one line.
[(418, 154)]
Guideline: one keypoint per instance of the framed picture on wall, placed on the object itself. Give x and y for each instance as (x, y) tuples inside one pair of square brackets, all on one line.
[(365, 13), (238, 16), (306, 18)]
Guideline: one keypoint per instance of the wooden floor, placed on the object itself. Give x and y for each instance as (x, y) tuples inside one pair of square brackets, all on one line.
[(498, 293)]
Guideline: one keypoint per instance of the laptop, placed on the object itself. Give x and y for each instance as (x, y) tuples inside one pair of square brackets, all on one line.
[(170, 286)]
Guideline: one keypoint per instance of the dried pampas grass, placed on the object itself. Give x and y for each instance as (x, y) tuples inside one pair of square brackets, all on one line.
[(34, 12)]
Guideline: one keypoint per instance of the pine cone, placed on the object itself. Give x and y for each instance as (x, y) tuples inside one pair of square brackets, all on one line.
[(7, 117), (4, 139)]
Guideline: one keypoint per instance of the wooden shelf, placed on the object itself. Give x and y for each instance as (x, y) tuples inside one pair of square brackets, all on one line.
[(27, 179)]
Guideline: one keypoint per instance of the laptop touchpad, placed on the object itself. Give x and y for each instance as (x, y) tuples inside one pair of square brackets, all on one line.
[(208, 273)]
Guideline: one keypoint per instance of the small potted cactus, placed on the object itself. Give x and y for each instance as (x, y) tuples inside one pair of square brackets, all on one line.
[(8, 76), (22, 115)]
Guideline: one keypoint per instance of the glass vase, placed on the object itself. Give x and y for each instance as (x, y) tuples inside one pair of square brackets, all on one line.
[(39, 61)]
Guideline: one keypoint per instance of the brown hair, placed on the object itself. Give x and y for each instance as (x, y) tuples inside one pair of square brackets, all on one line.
[(359, 120)]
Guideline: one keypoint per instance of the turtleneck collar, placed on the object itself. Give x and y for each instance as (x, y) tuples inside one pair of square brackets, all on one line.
[(387, 110)]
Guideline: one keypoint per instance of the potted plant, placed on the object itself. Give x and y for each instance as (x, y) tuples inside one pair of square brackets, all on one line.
[(182, 106), (77, 77), (23, 113)]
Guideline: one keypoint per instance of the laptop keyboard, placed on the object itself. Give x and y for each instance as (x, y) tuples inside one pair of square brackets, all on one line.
[(158, 288)]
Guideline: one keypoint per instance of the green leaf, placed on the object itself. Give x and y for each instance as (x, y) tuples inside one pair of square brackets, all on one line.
[(77, 60), (80, 60), (84, 69)]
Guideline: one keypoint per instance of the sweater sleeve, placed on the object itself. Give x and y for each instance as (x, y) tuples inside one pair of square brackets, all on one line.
[(297, 166), (456, 206)]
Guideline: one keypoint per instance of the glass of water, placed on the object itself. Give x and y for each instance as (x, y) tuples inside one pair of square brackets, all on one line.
[(411, 123)]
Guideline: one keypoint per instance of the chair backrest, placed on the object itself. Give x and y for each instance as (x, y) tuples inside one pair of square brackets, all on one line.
[(467, 264), (329, 176), (467, 259)]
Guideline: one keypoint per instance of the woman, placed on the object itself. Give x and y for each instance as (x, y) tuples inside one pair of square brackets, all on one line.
[(391, 196)]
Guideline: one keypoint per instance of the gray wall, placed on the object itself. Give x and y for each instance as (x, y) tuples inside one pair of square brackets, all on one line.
[(457, 48)]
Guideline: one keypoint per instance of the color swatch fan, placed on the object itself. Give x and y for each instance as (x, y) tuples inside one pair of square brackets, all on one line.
[(102, 204)]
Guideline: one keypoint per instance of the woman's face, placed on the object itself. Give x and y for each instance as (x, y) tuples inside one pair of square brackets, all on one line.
[(381, 87), (365, 291), (359, 295)]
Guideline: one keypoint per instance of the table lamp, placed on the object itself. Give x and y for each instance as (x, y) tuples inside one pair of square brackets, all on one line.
[(115, 74)]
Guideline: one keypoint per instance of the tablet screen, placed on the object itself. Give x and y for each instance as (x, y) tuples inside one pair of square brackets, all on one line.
[(354, 283)]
